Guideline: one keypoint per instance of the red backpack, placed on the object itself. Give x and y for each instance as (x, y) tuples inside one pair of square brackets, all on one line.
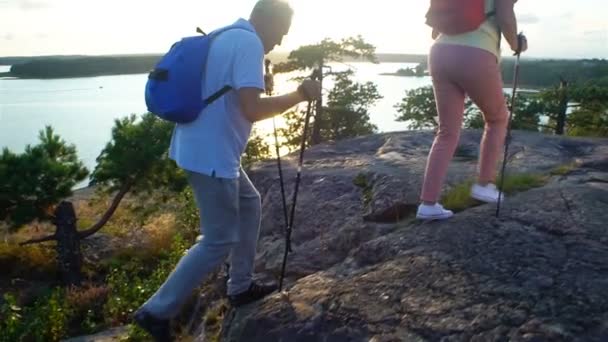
[(456, 16)]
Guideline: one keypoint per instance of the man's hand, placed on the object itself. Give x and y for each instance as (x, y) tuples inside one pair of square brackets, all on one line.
[(310, 90), (256, 108)]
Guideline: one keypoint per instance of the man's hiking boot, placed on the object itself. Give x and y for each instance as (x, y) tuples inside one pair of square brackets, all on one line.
[(159, 329), (433, 212), (255, 292)]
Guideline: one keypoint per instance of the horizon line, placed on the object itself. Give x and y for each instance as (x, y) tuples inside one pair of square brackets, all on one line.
[(274, 53)]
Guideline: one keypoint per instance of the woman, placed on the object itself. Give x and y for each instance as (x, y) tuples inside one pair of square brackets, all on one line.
[(468, 64), (268, 78)]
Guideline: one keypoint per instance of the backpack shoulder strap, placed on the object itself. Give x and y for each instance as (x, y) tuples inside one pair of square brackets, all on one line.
[(226, 88), (228, 28), (217, 95), (490, 14)]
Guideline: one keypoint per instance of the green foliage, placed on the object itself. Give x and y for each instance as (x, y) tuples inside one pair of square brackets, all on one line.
[(418, 71), (34, 181), (346, 116), (522, 182), (188, 216), (362, 182), (418, 106), (16, 260), (46, 320), (590, 116), (292, 132), (11, 319), (87, 310), (131, 280), (138, 155), (131, 284), (563, 170), (545, 73), (310, 56), (458, 198), (257, 149), (589, 123), (526, 114), (348, 105), (589, 108), (85, 305)]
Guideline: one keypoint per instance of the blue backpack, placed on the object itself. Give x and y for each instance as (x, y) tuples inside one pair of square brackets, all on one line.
[(174, 90)]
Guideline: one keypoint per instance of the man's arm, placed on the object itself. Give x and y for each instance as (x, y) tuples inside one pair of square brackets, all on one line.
[(256, 108)]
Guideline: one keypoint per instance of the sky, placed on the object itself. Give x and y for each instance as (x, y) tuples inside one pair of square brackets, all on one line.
[(555, 28)]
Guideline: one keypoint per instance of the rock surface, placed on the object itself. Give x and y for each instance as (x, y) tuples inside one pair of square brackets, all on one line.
[(111, 335), (363, 270)]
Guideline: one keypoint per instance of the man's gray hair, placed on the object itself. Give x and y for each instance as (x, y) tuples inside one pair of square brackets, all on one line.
[(266, 8)]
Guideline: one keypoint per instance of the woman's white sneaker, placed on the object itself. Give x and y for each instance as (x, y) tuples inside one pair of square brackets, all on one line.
[(488, 193), (433, 212)]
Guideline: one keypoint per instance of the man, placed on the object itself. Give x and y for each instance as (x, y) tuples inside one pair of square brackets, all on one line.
[(209, 150)]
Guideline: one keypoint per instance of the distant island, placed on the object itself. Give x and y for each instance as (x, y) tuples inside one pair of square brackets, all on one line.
[(80, 66), (534, 72), (419, 71), (538, 73), (88, 66)]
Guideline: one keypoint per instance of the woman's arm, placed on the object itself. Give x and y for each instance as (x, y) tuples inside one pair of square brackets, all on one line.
[(505, 16)]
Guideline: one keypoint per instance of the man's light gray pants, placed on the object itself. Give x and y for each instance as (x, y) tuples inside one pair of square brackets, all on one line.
[(230, 224)]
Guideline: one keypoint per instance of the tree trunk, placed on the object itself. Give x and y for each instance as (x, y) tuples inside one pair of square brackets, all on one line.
[(69, 257), (318, 123), (563, 107)]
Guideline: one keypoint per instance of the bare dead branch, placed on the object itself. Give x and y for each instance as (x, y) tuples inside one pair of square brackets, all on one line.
[(39, 240), (108, 214)]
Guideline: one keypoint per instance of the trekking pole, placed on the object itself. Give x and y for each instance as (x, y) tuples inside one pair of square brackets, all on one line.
[(295, 194), (276, 142), (277, 149), (508, 137), (279, 165)]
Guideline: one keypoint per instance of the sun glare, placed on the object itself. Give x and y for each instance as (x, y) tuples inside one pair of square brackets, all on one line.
[(390, 25)]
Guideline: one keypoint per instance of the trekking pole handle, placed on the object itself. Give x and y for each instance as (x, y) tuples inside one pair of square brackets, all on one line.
[(303, 93), (313, 76), (316, 74)]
